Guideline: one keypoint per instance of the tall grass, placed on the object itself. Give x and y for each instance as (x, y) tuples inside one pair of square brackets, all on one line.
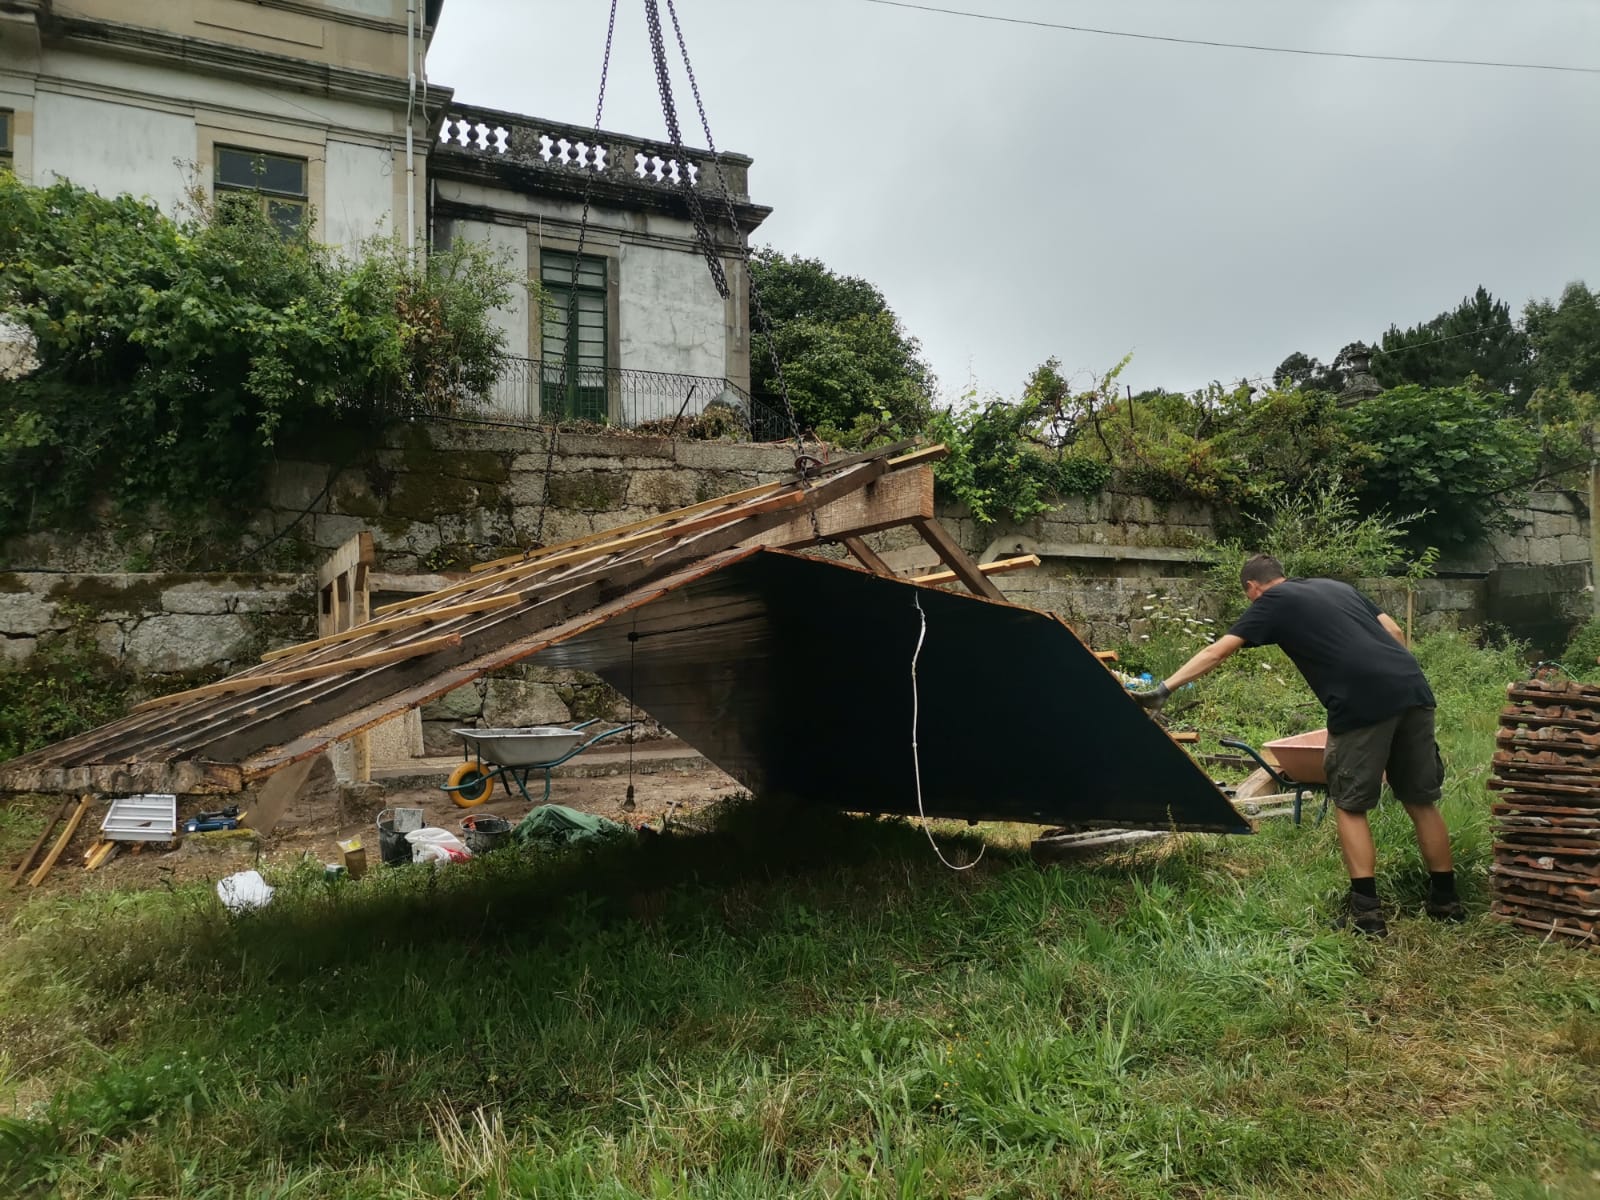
[(809, 1005)]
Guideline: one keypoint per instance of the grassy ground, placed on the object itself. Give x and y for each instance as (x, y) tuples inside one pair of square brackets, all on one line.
[(815, 1008)]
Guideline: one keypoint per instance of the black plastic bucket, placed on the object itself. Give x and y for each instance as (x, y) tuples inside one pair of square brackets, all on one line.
[(483, 834), (392, 847)]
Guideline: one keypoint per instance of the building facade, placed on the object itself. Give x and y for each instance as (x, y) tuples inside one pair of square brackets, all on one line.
[(319, 110)]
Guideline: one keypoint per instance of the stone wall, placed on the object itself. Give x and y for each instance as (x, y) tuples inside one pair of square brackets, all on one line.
[(439, 496), (157, 624)]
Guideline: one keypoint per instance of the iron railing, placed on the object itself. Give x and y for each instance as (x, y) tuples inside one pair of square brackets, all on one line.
[(527, 391)]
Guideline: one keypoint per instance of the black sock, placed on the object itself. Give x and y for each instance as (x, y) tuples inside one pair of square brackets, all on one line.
[(1442, 883), (1365, 886)]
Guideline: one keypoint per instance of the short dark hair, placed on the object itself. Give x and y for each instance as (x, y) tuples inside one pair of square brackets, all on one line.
[(1263, 568)]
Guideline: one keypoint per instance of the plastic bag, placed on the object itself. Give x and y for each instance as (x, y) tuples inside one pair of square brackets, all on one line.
[(243, 891), (432, 844)]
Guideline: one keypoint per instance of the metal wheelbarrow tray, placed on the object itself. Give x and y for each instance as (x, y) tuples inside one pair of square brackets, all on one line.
[(513, 754)]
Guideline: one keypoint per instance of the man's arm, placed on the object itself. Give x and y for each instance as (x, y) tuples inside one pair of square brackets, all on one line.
[(1394, 629), (1202, 663), (1206, 661)]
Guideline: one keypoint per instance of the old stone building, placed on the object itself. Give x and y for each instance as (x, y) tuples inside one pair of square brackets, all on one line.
[(323, 111)]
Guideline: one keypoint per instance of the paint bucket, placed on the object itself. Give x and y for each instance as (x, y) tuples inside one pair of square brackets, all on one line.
[(392, 845), (483, 834)]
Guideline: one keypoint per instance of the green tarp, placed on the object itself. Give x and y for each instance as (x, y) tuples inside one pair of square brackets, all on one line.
[(557, 825)]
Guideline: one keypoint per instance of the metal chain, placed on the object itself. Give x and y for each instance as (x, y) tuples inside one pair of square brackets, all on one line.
[(669, 110), (802, 459), (577, 262)]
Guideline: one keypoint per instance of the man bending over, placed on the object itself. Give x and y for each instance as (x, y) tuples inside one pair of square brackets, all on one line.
[(1380, 719)]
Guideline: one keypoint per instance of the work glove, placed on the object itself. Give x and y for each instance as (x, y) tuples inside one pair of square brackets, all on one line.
[(1154, 700)]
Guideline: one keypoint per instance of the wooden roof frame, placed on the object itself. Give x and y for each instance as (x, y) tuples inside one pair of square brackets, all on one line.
[(234, 733)]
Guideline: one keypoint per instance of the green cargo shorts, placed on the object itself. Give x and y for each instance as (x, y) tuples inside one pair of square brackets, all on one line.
[(1403, 748)]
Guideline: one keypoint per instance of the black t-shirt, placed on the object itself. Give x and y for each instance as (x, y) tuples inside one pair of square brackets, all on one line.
[(1331, 633)]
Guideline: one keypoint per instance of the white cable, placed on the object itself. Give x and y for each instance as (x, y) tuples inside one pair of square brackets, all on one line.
[(916, 757)]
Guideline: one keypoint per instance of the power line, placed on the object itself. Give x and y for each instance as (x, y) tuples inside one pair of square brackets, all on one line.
[(1183, 41)]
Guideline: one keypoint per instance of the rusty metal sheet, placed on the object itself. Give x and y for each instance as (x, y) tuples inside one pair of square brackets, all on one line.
[(793, 674)]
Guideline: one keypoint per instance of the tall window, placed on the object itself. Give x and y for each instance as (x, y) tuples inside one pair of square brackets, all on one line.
[(574, 358), (272, 182), (6, 119)]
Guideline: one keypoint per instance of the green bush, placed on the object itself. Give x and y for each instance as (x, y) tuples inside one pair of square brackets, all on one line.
[(1001, 464), (173, 356)]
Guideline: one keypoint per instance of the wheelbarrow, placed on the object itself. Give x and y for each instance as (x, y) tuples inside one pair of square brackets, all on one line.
[(1299, 768), (514, 754)]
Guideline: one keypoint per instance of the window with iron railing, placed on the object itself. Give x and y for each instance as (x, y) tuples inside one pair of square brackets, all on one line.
[(273, 182), (574, 332), (7, 119)]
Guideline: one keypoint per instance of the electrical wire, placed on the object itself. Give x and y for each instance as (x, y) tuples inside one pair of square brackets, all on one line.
[(916, 756), (1262, 49)]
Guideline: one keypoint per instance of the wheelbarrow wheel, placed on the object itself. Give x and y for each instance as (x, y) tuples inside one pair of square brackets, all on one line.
[(469, 785)]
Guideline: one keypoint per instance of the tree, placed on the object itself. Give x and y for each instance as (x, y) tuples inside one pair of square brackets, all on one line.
[(1445, 455), (173, 355), (1308, 374), (851, 369), (1565, 337), (1478, 337)]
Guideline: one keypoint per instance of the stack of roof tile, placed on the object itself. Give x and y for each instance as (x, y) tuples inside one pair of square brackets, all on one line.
[(1546, 872)]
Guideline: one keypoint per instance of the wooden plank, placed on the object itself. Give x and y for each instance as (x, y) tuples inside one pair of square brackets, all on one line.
[(866, 556), (1000, 566), (73, 822), (103, 853), (927, 454), (44, 835), (954, 557), (338, 666), (666, 518), (889, 501), (1106, 655), (419, 616)]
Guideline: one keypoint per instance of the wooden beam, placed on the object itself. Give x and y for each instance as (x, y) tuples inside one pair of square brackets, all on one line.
[(954, 557), (866, 556), (1000, 566), (666, 518), (421, 616), (337, 666), (889, 501), (927, 454), (99, 855), (38, 845), (73, 822), (1106, 655)]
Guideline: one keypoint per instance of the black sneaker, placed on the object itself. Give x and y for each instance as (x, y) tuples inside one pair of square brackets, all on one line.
[(1445, 908), (1364, 914)]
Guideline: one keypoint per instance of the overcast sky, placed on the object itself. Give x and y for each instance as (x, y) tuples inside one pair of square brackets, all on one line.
[(1022, 192)]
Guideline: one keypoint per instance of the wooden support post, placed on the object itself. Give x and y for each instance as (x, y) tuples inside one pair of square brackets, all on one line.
[(343, 582), (954, 557), (1001, 566), (66, 836), (866, 556), (38, 845)]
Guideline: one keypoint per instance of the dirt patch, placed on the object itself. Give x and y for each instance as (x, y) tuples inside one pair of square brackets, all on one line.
[(313, 825)]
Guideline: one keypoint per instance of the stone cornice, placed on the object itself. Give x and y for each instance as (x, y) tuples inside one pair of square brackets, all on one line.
[(222, 59), (563, 183)]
